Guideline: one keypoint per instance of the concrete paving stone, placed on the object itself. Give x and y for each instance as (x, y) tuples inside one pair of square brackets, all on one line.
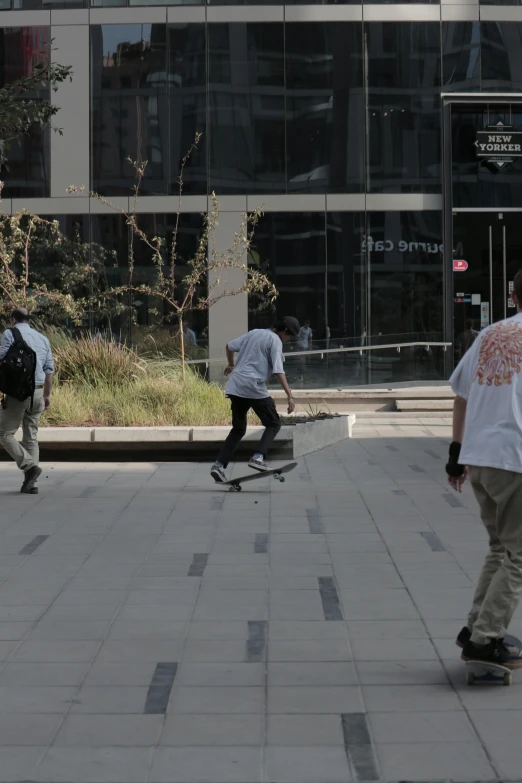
[(309, 650), (206, 765), (410, 698), (69, 630), (11, 631), (63, 651), (221, 674), (306, 629), (308, 699), (28, 729), (42, 674), (18, 699), (375, 630), (474, 699), (207, 730), (140, 651), (223, 631), (406, 672), (147, 629), (19, 763), (155, 612), (425, 761), (390, 649), (223, 558), (108, 730), (30, 598), (72, 597), (105, 583), (120, 674), (313, 673), (108, 699), (316, 764), (95, 765), (437, 727), (231, 583), (382, 605), (229, 597), (217, 700), (80, 612), (299, 558), (203, 613), (185, 596), (304, 730), (314, 570), (215, 651)]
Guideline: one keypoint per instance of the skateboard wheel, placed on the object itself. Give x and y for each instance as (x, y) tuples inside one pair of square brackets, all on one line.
[(282, 479), (508, 679), (470, 678)]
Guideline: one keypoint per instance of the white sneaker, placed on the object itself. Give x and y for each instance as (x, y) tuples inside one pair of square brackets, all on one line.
[(258, 463), (218, 473)]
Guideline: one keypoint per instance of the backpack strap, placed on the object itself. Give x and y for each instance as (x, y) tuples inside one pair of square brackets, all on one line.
[(17, 335)]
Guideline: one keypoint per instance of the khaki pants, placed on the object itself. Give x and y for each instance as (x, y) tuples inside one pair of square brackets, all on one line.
[(499, 494), (26, 454)]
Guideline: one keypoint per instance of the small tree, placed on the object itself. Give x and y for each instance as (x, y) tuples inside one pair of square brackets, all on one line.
[(195, 291), (22, 105), (58, 278)]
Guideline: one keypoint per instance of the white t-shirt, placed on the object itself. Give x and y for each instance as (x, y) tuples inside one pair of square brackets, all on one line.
[(489, 377), (260, 355)]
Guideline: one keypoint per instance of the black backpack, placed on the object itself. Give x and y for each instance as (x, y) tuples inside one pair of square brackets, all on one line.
[(18, 369)]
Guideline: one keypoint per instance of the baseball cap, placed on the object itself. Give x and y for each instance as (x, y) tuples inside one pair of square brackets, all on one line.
[(291, 325)]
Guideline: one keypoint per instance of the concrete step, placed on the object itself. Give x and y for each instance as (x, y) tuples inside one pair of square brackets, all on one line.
[(424, 405)]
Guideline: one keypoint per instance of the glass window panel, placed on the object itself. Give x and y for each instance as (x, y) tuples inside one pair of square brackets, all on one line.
[(187, 105), (129, 78), (501, 56), (461, 56), (404, 114), (291, 249), (246, 108), (111, 233), (324, 107), (156, 327), (29, 160), (404, 252), (346, 278), (478, 183)]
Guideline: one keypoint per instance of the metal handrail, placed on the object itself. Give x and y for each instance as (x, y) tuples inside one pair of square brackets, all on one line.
[(321, 351)]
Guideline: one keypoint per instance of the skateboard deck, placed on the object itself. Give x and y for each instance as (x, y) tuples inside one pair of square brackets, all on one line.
[(235, 483), (479, 671)]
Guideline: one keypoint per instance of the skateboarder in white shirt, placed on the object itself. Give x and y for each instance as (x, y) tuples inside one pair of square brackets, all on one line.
[(487, 447), (260, 355)]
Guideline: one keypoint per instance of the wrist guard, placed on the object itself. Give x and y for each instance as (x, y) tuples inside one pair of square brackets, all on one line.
[(453, 467)]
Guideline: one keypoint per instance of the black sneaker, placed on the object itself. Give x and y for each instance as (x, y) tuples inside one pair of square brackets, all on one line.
[(32, 491), (495, 651), (31, 477), (465, 636)]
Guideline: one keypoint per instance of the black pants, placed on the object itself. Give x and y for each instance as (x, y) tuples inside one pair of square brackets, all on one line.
[(265, 409)]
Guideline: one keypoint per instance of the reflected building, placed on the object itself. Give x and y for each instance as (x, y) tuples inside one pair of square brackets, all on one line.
[(355, 132)]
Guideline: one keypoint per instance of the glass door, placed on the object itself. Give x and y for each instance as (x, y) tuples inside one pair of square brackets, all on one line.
[(487, 253)]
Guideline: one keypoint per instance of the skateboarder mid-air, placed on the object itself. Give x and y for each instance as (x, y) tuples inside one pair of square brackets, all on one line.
[(260, 355), (487, 447)]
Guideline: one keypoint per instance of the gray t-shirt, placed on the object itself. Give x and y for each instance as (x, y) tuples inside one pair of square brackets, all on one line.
[(260, 355)]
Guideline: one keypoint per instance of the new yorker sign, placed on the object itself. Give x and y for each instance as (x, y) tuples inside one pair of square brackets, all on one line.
[(499, 144)]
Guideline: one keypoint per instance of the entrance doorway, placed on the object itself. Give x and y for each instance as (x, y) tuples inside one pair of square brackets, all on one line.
[(482, 185), (487, 248)]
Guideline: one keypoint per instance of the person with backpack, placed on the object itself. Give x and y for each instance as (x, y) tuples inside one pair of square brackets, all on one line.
[(26, 376)]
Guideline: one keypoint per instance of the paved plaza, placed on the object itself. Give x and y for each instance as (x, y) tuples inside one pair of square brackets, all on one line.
[(156, 628)]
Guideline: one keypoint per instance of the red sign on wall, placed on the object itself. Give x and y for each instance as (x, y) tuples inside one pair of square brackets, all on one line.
[(460, 266)]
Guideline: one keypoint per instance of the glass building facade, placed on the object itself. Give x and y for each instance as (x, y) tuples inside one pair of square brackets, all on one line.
[(354, 126)]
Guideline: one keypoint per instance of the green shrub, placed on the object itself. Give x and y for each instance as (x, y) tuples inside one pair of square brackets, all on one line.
[(101, 383)]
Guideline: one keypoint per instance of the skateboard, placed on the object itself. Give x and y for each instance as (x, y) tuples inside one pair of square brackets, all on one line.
[(478, 671), (277, 473)]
